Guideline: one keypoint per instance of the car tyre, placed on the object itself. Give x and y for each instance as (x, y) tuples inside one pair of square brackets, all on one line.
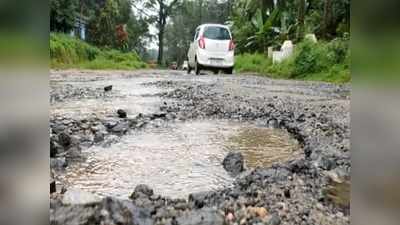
[(197, 68), (229, 70), (188, 69)]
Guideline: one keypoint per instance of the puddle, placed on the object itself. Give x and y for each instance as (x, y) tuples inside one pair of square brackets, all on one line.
[(261, 147), (177, 159), (128, 94)]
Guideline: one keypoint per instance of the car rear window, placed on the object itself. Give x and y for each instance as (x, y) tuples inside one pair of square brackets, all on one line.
[(216, 33)]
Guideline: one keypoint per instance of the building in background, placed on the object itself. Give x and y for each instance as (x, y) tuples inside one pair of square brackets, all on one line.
[(80, 27)]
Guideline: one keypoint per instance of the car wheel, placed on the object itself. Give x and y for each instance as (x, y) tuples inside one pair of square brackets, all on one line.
[(197, 68), (188, 69), (229, 70)]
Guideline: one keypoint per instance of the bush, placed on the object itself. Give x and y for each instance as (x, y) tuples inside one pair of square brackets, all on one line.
[(325, 61), (69, 52), (312, 57), (251, 63)]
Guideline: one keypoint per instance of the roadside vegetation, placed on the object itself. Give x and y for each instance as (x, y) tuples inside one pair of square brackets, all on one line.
[(117, 28), (271, 24), (69, 52), (114, 35), (322, 61)]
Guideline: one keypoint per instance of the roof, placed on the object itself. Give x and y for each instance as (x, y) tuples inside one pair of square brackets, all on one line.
[(213, 24)]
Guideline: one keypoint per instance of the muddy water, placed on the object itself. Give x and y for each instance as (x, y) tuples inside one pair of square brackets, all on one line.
[(177, 159), (127, 94), (262, 147)]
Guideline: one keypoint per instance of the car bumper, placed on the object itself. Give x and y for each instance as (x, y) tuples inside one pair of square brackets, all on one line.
[(215, 59)]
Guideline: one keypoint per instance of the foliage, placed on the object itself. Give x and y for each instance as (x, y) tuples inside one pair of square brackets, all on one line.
[(271, 24), (252, 63), (102, 28), (62, 14), (326, 61), (69, 52), (164, 9), (111, 23)]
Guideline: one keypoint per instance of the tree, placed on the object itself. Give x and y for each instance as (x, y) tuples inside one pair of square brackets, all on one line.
[(327, 23), (184, 19), (300, 18), (102, 28), (164, 11), (164, 8), (62, 15)]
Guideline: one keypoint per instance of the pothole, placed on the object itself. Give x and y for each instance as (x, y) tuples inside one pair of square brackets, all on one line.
[(262, 147), (178, 158)]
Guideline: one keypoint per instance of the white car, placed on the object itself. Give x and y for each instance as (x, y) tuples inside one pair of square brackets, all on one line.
[(212, 49)]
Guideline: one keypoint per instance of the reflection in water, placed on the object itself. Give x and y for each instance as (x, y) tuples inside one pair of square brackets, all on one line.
[(177, 159)]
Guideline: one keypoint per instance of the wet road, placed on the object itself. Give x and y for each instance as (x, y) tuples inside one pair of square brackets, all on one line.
[(179, 157)]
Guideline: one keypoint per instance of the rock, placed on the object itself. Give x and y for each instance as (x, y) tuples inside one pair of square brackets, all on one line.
[(58, 163), (116, 212), (273, 123), (274, 220), (79, 197), (64, 139), (282, 174), (74, 152), (121, 128), (205, 216), (199, 199), (53, 187), (110, 123), (335, 177), (98, 137), (299, 166), (108, 88), (121, 113), (234, 163), (99, 128), (109, 211), (286, 193), (142, 190), (158, 115), (58, 128), (260, 212), (53, 149), (326, 162)]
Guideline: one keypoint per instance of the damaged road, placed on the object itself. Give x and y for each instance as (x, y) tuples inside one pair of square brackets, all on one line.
[(311, 187)]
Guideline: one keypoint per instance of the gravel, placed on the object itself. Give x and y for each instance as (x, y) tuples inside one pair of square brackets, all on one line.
[(311, 189)]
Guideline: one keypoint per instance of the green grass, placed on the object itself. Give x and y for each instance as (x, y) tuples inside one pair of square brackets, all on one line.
[(252, 63), (323, 61), (68, 52)]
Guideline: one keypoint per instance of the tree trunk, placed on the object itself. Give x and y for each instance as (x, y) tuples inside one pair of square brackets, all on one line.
[(160, 45), (200, 12), (327, 18), (161, 26), (300, 19)]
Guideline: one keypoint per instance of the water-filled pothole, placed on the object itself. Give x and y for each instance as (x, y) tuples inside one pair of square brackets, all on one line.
[(261, 147), (178, 159)]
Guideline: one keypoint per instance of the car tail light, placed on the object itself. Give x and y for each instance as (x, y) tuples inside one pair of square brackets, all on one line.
[(202, 42), (231, 45)]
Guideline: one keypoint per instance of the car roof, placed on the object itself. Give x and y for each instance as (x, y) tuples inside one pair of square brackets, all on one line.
[(213, 24)]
